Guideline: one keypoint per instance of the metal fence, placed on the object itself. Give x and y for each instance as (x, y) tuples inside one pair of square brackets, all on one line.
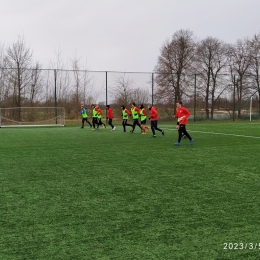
[(227, 97)]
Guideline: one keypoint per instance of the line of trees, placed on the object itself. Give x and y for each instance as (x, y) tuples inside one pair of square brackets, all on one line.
[(24, 83), (210, 66), (211, 60)]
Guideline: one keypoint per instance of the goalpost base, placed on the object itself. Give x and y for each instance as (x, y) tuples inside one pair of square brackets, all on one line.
[(5, 126)]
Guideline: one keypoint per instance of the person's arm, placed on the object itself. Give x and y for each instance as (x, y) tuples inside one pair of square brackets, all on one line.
[(178, 120), (186, 114), (155, 113)]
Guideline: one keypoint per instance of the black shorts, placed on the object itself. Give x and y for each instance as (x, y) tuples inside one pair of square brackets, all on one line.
[(143, 122)]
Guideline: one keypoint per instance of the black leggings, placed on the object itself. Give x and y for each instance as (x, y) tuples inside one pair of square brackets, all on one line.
[(85, 119), (136, 123), (110, 122), (99, 122), (182, 130), (154, 127), (124, 124), (94, 121)]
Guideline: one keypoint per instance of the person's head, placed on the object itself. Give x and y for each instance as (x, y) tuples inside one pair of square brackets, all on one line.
[(122, 107), (81, 106), (92, 105), (141, 106), (133, 104), (149, 106), (107, 106), (179, 104)]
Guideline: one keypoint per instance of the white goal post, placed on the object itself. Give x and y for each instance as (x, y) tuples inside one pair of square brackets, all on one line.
[(32, 116)]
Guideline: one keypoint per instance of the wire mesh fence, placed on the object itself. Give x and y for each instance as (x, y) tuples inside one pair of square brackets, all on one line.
[(224, 97)]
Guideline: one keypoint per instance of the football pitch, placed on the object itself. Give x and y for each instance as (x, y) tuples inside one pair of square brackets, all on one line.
[(72, 193)]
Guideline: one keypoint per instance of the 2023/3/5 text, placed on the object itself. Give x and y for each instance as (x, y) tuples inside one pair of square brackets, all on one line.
[(241, 246)]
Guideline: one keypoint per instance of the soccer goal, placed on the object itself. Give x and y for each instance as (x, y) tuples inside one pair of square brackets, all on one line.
[(32, 116)]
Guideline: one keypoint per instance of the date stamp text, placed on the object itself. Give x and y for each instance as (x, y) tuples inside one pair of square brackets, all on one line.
[(241, 246)]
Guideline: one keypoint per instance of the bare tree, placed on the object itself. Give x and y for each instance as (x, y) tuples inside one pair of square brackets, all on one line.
[(123, 90), (255, 63), (81, 83), (18, 59), (140, 96), (211, 57), (62, 81), (239, 64), (77, 90), (2, 74), (89, 100), (174, 62), (61, 78), (36, 84)]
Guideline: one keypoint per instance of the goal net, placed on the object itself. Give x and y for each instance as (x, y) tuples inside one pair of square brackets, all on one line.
[(32, 116)]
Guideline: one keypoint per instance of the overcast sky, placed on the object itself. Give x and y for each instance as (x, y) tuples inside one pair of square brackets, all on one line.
[(120, 35)]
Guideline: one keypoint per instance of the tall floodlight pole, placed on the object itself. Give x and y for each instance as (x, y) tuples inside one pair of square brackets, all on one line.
[(195, 98), (106, 96), (152, 86), (55, 94), (251, 99), (234, 98)]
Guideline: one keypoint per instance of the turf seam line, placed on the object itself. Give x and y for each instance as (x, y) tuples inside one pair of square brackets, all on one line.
[(246, 136)]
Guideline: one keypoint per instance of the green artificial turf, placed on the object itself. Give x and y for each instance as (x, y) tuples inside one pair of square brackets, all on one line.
[(72, 193)]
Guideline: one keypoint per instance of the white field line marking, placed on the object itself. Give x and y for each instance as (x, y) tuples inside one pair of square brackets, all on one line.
[(246, 136)]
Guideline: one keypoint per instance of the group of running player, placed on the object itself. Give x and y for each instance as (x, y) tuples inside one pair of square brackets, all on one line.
[(141, 112), (182, 115)]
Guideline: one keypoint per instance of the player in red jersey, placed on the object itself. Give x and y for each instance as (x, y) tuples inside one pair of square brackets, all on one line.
[(154, 120), (99, 117), (182, 114), (110, 117)]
